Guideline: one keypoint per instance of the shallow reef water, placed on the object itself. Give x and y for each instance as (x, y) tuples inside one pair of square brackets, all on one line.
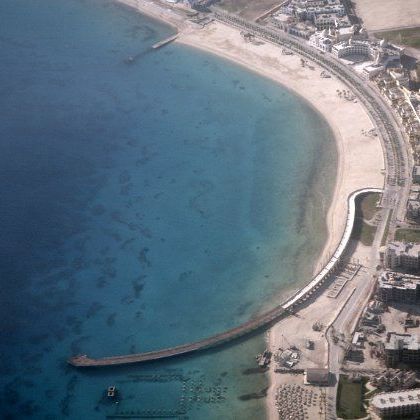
[(145, 203)]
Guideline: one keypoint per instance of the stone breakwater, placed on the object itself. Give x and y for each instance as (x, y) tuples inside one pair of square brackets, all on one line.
[(257, 323)]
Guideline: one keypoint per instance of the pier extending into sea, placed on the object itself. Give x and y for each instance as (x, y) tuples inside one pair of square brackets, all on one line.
[(262, 321), (165, 42)]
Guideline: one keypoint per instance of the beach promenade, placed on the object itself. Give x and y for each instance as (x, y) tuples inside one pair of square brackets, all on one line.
[(263, 321)]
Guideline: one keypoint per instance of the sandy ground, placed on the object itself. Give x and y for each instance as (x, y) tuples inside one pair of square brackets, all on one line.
[(388, 14), (249, 9), (172, 16)]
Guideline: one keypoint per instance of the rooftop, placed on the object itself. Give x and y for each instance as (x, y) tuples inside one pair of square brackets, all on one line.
[(396, 399), (402, 342), (317, 375), (390, 279), (409, 248)]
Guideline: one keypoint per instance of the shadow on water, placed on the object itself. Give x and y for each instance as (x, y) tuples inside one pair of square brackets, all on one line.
[(133, 59)]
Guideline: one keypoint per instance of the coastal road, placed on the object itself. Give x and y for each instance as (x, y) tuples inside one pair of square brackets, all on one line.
[(350, 313), (398, 165)]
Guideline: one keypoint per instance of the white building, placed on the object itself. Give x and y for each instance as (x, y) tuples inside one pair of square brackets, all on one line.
[(401, 254), (371, 71), (394, 404), (352, 47), (380, 52), (321, 40), (337, 9), (330, 20)]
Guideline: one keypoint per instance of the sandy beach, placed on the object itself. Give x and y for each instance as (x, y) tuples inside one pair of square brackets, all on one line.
[(360, 162), (360, 158), (148, 8)]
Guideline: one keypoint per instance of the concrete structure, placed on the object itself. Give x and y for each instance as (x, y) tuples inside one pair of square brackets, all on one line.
[(336, 258), (316, 376), (379, 52), (321, 40), (370, 319), (400, 76), (371, 71), (401, 348), (416, 174), (401, 255), (330, 20), (392, 380), (396, 287), (413, 205), (254, 324), (358, 339), (396, 404)]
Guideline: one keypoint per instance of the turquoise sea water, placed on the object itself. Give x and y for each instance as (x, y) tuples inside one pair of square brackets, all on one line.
[(144, 204)]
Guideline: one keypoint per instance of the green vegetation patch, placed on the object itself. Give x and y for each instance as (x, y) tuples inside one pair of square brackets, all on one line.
[(407, 235), (363, 232), (350, 398), (385, 237), (365, 210), (366, 205), (409, 37)]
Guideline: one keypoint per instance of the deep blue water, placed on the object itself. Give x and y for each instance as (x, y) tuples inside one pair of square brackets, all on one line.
[(143, 204)]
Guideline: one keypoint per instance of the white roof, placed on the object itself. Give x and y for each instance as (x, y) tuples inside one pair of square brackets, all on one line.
[(396, 399)]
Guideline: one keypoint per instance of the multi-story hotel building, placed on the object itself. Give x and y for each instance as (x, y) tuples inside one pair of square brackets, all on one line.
[(397, 404), (401, 348), (401, 255), (396, 287)]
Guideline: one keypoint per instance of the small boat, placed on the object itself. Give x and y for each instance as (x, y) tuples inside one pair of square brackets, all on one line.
[(129, 60), (111, 392), (111, 395)]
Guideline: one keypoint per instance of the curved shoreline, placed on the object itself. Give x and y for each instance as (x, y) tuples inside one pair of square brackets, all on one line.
[(360, 162), (226, 42), (346, 165), (264, 320)]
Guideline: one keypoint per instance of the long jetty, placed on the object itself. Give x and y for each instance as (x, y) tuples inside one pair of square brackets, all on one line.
[(262, 321), (165, 42)]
